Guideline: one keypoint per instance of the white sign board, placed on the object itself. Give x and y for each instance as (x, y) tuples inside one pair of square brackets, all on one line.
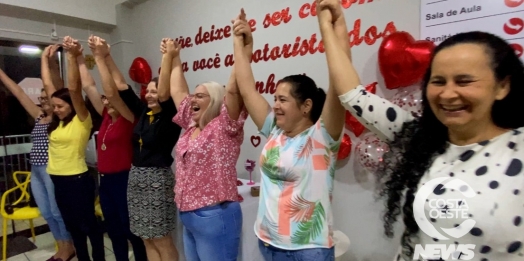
[(441, 19), (32, 87)]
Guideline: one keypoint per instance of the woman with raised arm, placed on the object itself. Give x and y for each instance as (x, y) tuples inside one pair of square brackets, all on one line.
[(206, 154), (92, 99), (297, 163), (152, 212), (68, 135), (115, 153), (466, 146), (41, 185)]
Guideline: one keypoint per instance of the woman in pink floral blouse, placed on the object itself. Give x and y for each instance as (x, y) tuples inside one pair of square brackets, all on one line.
[(206, 155)]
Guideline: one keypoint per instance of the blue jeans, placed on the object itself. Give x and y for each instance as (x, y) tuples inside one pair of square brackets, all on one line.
[(271, 253), (43, 191), (212, 233)]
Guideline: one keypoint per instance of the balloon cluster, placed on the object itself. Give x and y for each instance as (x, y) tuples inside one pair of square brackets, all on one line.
[(354, 126), (140, 72), (402, 62)]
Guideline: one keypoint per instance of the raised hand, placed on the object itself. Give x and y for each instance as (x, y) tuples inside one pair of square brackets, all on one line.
[(72, 46), (163, 47), (335, 10), (172, 48), (45, 53), (67, 42), (98, 46), (53, 51), (91, 42), (242, 15), (242, 29)]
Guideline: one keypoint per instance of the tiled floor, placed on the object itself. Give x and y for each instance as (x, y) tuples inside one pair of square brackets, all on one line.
[(46, 245)]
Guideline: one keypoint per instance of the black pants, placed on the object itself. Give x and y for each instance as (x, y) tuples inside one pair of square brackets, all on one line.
[(113, 199), (75, 197)]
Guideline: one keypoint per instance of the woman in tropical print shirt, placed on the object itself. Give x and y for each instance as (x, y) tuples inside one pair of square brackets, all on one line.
[(303, 128)]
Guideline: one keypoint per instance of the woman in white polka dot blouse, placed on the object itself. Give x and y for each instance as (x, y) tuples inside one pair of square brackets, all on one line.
[(456, 173)]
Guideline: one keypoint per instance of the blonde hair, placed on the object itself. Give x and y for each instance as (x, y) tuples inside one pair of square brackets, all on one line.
[(216, 98)]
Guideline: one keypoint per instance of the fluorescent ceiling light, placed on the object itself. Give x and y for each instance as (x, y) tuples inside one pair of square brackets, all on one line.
[(29, 49)]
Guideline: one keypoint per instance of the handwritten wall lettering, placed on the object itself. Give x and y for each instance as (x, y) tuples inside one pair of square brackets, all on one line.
[(212, 35), (301, 47), (310, 9), (304, 47), (276, 18), (371, 35), (184, 42), (269, 86), (348, 3), (229, 61), (215, 34), (253, 24), (185, 68), (209, 63)]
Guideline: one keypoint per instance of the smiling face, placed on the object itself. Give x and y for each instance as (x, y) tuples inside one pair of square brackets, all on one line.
[(152, 96), (288, 113), (199, 102), (60, 108), (462, 87)]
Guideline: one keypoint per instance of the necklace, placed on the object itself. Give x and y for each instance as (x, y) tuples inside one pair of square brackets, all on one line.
[(103, 147)]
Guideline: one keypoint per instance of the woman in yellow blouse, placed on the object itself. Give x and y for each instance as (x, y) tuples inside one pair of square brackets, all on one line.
[(68, 135)]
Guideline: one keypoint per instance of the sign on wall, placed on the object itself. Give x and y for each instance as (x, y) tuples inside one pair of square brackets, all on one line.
[(32, 87), (286, 41), (505, 18)]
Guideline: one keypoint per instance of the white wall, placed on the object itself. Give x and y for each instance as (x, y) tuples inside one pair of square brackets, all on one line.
[(15, 28), (122, 48), (355, 211), (24, 29), (100, 11)]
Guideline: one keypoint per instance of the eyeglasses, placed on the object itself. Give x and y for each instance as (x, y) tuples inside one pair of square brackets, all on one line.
[(43, 99), (199, 96)]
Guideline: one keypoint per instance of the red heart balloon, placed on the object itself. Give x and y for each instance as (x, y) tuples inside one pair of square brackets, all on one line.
[(140, 71), (402, 60), (353, 124), (345, 147)]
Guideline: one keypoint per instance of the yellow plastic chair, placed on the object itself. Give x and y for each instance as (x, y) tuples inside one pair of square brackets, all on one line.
[(24, 213)]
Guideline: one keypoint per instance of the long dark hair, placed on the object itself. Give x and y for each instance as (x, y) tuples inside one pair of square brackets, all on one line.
[(304, 88), (62, 94), (96, 118), (415, 146), (42, 107)]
